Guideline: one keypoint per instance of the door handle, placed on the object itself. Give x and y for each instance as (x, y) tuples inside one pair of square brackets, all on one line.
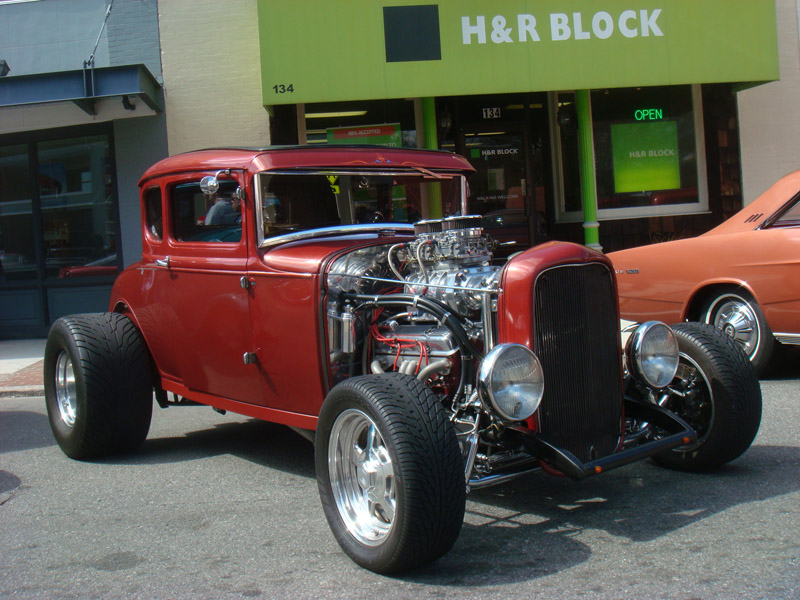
[(162, 262)]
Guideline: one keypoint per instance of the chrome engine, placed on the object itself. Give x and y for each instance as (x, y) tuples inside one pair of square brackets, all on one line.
[(449, 261)]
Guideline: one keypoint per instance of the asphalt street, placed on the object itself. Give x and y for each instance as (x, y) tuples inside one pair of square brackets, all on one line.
[(220, 506)]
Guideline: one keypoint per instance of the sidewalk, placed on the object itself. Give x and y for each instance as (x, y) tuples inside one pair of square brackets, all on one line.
[(21, 368)]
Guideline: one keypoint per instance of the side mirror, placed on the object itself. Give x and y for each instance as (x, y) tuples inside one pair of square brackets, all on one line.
[(209, 184)]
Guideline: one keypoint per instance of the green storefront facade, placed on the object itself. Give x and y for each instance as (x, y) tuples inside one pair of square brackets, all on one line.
[(574, 112)]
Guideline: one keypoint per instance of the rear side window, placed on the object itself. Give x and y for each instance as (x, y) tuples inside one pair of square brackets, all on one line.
[(199, 217), (153, 217), (790, 218)]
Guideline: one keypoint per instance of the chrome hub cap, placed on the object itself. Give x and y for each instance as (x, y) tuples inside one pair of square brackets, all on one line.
[(362, 477), (65, 389), (736, 317)]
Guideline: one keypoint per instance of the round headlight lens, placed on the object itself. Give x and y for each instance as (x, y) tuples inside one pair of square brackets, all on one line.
[(512, 380), (652, 352)]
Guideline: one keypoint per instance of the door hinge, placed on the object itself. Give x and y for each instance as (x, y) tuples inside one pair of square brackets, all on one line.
[(249, 358), (246, 282)]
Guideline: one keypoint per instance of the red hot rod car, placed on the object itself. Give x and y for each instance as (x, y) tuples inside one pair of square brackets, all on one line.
[(303, 286)]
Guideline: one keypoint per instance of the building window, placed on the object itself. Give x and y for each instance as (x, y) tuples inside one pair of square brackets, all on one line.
[(17, 252), (380, 122), (649, 152), (79, 222)]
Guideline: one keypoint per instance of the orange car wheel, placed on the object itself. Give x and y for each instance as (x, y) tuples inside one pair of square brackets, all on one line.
[(739, 315)]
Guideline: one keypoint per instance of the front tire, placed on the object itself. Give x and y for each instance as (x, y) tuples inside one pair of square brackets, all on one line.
[(390, 473), (98, 385), (716, 391), (738, 314)]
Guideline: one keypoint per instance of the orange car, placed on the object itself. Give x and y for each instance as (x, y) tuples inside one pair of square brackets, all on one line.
[(743, 276)]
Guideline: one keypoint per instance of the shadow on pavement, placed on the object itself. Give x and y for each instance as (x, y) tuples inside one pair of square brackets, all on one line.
[(24, 430), (263, 443), (531, 527), (785, 364)]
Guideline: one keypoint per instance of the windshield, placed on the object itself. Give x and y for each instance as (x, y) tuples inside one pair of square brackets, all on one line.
[(291, 202)]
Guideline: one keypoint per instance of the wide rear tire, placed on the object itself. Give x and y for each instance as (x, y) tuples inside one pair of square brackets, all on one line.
[(716, 391), (390, 473), (98, 385)]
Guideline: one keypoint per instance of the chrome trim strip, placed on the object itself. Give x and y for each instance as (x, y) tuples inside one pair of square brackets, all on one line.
[(402, 228), (788, 338)]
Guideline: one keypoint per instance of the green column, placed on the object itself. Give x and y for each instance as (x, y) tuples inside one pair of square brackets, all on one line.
[(591, 227), (432, 143)]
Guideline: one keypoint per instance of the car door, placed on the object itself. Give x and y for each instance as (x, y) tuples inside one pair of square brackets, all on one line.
[(200, 309)]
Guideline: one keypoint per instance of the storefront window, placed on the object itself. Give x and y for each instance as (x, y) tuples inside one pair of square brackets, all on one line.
[(646, 143), (376, 122), (78, 208), (17, 259), (568, 175)]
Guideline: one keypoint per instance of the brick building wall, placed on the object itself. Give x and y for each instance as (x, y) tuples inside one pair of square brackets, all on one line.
[(212, 77), (133, 35)]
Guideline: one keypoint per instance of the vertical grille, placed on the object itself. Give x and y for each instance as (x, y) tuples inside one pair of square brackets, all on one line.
[(576, 332)]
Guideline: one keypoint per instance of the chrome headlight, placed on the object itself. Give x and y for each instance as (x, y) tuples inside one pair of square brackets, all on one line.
[(652, 353), (511, 379)]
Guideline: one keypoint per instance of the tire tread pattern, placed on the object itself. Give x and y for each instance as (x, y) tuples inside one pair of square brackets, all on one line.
[(113, 375), (737, 398), (428, 459)]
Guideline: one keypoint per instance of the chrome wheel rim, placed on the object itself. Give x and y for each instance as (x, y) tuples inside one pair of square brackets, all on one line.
[(736, 317), (690, 397), (362, 477), (65, 390)]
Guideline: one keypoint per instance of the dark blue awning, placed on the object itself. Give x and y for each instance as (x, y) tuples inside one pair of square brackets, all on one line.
[(83, 87)]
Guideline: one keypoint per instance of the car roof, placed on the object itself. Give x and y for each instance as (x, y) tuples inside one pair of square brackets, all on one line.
[(755, 213), (307, 157)]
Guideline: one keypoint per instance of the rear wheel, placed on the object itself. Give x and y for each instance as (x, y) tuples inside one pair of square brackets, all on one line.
[(716, 391), (98, 384), (390, 473), (736, 313)]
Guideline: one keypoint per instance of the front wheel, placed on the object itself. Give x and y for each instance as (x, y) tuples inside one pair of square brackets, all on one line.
[(716, 391), (390, 473)]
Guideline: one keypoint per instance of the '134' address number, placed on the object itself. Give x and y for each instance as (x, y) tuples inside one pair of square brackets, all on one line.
[(283, 89)]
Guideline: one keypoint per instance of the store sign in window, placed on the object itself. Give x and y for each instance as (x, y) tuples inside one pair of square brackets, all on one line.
[(648, 151), (378, 135), (646, 156)]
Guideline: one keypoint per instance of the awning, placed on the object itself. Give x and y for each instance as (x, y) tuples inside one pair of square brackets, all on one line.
[(83, 87), (368, 49)]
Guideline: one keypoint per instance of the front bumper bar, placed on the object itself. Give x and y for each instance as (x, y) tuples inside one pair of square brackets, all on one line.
[(680, 434)]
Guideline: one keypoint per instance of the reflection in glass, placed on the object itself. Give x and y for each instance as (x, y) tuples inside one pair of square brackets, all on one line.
[(17, 259), (291, 203), (78, 217)]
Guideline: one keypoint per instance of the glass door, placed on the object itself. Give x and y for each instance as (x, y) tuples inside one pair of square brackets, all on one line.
[(500, 189)]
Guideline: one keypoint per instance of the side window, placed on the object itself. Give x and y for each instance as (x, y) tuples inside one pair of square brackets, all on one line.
[(153, 217), (790, 218), (197, 217)]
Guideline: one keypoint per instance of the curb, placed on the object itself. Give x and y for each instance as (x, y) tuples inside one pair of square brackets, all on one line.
[(21, 391)]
